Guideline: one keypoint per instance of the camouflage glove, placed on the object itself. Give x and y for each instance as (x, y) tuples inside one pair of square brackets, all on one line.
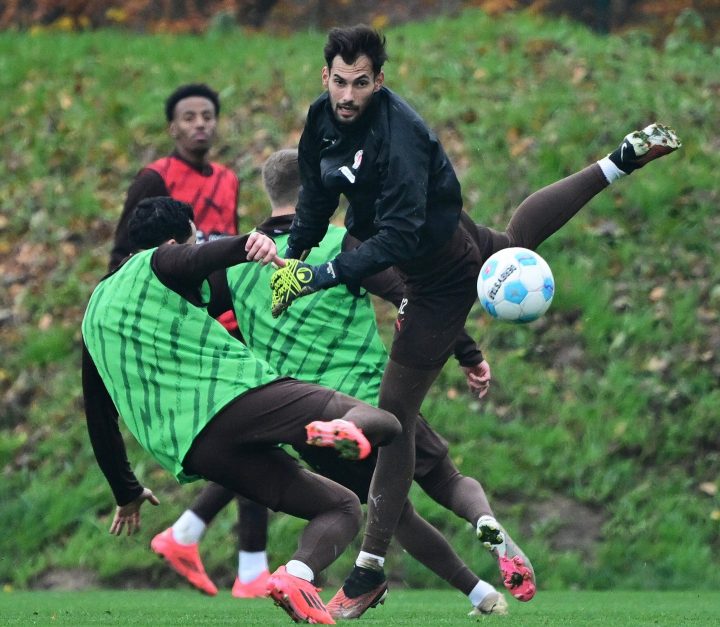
[(298, 279)]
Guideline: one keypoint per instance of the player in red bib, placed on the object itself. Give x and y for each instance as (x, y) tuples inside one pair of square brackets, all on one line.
[(187, 174)]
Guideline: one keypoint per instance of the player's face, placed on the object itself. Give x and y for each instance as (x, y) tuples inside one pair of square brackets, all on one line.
[(194, 126), (350, 87)]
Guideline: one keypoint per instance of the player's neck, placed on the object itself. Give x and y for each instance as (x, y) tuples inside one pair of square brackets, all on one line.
[(196, 160)]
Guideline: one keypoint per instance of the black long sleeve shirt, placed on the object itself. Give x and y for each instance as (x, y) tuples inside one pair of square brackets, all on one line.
[(404, 196)]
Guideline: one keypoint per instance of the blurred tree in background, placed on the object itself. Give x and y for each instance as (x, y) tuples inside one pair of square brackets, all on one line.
[(195, 16)]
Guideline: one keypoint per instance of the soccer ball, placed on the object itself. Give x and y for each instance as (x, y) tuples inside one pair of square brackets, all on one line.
[(516, 284)]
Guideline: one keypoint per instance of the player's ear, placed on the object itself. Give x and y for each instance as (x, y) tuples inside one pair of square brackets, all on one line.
[(325, 76), (379, 80), (193, 234), (172, 130)]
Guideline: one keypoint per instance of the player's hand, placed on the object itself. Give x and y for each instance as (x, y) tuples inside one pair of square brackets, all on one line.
[(478, 378), (297, 278), (128, 516), (259, 247)]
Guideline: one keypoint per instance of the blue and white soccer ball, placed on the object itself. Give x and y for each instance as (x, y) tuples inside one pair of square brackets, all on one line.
[(516, 284)]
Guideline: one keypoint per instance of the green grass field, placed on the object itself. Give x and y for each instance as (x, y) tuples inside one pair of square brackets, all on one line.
[(426, 607)]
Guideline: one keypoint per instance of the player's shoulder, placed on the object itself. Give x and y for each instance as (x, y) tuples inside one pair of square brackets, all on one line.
[(395, 102), (158, 165), (399, 111), (319, 103), (221, 168)]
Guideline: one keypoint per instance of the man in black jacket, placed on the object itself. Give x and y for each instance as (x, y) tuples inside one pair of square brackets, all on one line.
[(365, 142)]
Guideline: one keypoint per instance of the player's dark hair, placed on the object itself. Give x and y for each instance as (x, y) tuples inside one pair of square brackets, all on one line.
[(281, 177), (187, 91), (156, 220), (353, 41)]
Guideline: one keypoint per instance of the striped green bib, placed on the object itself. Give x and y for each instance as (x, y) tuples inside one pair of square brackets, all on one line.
[(167, 365), (329, 337)]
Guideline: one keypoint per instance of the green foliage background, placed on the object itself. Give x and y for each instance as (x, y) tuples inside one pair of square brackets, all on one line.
[(598, 445)]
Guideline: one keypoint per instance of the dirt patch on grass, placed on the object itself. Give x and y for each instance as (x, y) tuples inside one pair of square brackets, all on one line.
[(573, 526), (66, 579)]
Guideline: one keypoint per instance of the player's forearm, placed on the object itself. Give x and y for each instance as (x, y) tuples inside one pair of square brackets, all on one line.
[(187, 266), (110, 454), (105, 437), (466, 350), (309, 226), (386, 284), (385, 249)]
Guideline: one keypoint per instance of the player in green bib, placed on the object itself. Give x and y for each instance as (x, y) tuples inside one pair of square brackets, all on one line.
[(203, 405), (145, 363), (349, 357)]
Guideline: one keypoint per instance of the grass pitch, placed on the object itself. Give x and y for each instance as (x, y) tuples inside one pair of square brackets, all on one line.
[(404, 607)]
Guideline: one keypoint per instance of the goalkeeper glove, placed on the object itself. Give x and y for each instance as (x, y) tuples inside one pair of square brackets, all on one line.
[(297, 279)]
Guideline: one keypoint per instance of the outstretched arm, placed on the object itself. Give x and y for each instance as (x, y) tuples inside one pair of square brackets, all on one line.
[(105, 437), (184, 267)]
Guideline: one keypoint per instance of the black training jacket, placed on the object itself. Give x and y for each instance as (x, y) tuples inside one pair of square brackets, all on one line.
[(404, 197)]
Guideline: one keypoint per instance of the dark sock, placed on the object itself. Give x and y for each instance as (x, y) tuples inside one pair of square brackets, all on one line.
[(362, 580)]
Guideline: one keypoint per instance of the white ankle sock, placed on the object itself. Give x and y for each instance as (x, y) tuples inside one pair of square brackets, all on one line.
[(479, 592), (370, 560), (251, 564), (610, 170), (297, 568), (189, 528)]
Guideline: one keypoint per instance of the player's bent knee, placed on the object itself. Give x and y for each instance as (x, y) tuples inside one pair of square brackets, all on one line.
[(354, 512), (349, 506), (391, 427)]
